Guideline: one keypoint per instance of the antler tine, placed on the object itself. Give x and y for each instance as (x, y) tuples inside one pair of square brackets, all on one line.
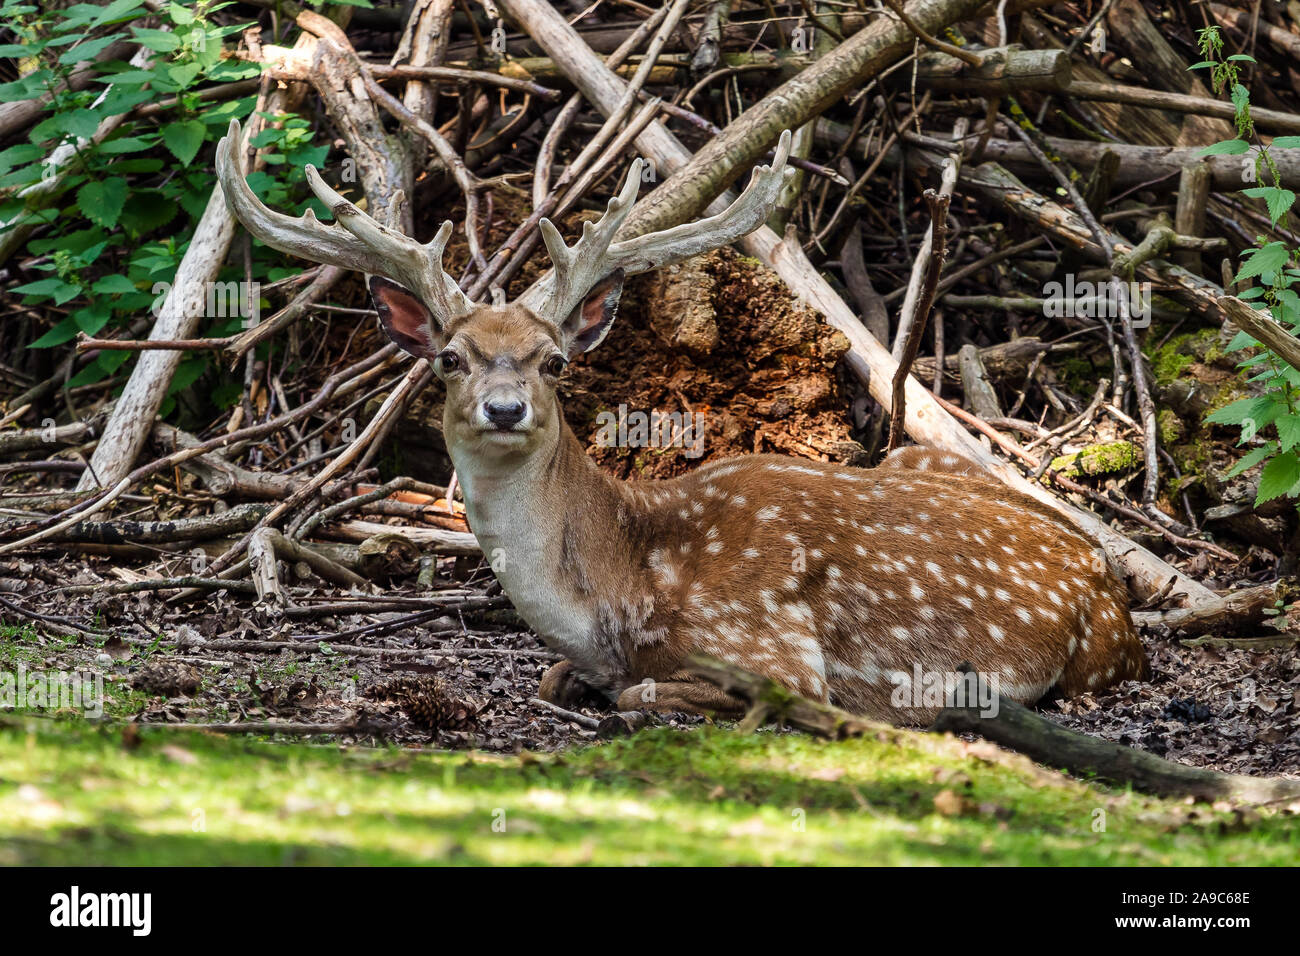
[(750, 210), (306, 236), (595, 256), (579, 267), (356, 242), (416, 266)]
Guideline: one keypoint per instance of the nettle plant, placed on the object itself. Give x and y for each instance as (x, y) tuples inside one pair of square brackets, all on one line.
[(112, 222), (1272, 264)]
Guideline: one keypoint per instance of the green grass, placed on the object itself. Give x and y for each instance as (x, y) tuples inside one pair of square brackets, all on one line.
[(72, 793)]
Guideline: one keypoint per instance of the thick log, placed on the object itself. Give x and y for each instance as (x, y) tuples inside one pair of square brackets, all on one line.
[(981, 398), (428, 539), (1263, 327), (1189, 215), (1274, 121), (1004, 71), (1236, 609), (1141, 164), (1159, 166)]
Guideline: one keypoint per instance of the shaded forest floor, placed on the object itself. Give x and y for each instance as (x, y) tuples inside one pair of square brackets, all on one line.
[(465, 679), (101, 796)]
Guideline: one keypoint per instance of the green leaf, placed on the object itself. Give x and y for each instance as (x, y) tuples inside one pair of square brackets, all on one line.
[(1281, 476), (118, 10), (64, 331), (1269, 258), (111, 285), (127, 78), (101, 201), (1240, 97), (92, 373), (1277, 199), (187, 373), (18, 155), (1227, 147), (28, 87), (222, 113), (146, 211), (1251, 460), (1288, 431), (93, 317), (266, 137), (1285, 142), (230, 70), (120, 99), (160, 41), (1242, 340), (126, 144), (182, 75), (55, 288), (75, 242), (184, 139), (80, 123), (1251, 413), (86, 50), (137, 166)]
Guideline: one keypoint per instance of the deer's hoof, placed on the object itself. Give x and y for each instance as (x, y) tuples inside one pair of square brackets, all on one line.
[(561, 685)]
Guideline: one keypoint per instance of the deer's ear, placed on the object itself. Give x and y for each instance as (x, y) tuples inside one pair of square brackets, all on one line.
[(405, 318), (589, 323)]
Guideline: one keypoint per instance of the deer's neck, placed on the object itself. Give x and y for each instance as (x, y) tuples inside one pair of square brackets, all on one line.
[(535, 519)]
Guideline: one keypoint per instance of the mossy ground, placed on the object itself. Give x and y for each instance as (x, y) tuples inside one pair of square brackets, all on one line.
[(73, 793), (1101, 459)]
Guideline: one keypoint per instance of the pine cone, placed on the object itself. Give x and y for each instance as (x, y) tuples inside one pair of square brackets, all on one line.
[(166, 678), (427, 702)]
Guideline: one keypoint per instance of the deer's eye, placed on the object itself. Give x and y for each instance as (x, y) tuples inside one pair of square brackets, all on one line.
[(554, 365), (448, 361)]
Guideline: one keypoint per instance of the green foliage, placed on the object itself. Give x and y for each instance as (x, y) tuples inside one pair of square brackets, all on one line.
[(1273, 264), (113, 222), (708, 797)]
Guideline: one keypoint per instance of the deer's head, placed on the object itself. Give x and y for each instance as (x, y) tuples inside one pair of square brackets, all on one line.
[(500, 362)]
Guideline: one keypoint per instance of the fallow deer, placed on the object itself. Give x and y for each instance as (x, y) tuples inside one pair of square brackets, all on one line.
[(842, 584)]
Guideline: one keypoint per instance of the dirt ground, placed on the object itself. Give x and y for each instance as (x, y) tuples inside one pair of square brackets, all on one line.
[(465, 680)]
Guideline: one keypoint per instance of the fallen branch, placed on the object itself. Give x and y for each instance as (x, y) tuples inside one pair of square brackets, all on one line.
[(1015, 727), (916, 317), (1263, 327), (1234, 610), (1020, 729)]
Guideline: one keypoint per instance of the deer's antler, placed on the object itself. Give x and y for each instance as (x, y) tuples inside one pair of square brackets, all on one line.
[(356, 242), (596, 255)]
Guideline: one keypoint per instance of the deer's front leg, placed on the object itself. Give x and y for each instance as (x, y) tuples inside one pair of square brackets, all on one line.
[(562, 686), (680, 696)]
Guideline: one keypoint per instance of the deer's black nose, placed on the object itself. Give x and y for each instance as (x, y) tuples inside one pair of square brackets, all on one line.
[(504, 414)]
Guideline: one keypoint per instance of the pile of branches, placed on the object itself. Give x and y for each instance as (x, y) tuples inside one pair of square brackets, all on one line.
[(954, 159)]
